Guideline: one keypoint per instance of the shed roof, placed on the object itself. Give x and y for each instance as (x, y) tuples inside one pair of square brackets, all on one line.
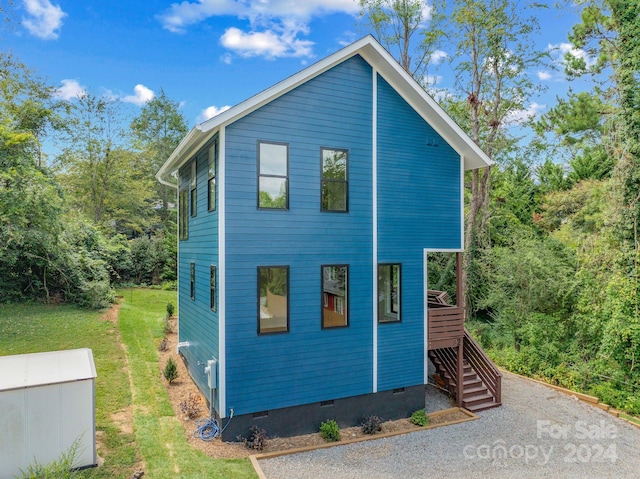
[(39, 369), (382, 61)]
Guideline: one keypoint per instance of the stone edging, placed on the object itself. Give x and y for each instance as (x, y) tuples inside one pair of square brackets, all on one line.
[(268, 455), (594, 401)]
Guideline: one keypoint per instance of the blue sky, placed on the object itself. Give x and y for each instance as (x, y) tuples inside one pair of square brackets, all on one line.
[(205, 54)]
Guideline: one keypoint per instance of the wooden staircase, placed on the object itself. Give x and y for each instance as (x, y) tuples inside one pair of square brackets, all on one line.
[(477, 395), (481, 386)]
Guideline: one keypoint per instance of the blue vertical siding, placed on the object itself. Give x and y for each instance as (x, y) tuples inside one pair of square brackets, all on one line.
[(418, 207), (198, 324), (307, 364)]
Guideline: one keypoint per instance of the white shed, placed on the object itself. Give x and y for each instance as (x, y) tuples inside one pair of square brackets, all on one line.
[(47, 402)]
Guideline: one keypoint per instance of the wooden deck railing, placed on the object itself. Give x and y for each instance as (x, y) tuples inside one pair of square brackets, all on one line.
[(446, 325), (483, 366)]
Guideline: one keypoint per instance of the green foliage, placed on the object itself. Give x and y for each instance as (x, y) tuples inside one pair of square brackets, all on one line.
[(371, 425), (330, 431), (171, 371), (61, 468), (170, 309), (419, 418)]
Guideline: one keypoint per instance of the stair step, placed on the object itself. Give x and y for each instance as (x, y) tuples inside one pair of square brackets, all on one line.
[(469, 393), (483, 406), (482, 398)]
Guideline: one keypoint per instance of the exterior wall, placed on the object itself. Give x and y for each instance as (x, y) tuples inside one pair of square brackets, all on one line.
[(198, 324), (418, 207), (307, 364)]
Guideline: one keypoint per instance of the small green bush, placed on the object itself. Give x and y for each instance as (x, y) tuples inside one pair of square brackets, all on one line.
[(170, 309), (61, 468), (371, 425), (171, 370), (419, 418), (330, 431)]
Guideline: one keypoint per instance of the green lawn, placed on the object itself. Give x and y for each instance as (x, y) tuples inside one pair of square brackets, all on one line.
[(158, 438)]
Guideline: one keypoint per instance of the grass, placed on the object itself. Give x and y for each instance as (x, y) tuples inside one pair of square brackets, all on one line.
[(158, 440)]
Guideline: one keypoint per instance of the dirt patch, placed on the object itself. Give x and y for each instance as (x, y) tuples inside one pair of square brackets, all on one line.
[(181, 388)]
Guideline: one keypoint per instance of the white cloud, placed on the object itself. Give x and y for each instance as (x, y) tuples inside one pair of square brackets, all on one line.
[(210, 112), (44, 19), (274, 26), (269, 44), (520, 116), (70, 90), (564, 48), (544, 75), (141, 95), (437, 57)]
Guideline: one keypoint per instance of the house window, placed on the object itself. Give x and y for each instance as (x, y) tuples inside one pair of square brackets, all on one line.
[(273, 299), (213, 288), (193, 191), (211, 184), (183, 220), (273, 175), (334, 187), (192, 278), (388, 293), (335, 296)]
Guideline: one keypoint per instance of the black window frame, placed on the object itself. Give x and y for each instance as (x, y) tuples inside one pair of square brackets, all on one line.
[(286, 177), (288, 275), (324, 180), (382, 315), (193, 189), (192, 280), (212, 175), (183, 214), (213, 287), (347, 307)]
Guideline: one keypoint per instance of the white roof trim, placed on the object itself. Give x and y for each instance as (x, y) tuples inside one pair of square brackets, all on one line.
[(379, 59)]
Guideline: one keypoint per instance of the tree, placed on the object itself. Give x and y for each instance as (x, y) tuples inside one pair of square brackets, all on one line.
[(103, 176), (396, 24), (156, 132)]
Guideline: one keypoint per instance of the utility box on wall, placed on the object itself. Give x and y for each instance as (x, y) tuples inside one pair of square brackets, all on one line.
[(47, 402)]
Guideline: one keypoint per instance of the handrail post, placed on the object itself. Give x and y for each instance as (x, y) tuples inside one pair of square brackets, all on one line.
[(460, 381)]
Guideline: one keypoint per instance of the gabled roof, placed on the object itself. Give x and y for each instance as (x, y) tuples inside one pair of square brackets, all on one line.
[(382, 61)]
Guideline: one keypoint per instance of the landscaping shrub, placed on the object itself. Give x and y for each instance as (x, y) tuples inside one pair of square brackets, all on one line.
[(171, 370), (419, 418), (371, 425), (191, 406), (257, 439), (330, 431)]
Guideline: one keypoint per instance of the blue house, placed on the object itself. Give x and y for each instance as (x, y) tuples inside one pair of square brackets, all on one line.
[(305, 217)]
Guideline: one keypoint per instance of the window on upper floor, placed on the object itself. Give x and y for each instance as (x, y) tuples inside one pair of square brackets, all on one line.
[(335, 296), (334, 183), (388, 293), (273, 299), (193, 189), (213, 288), (273, 175), (192, 280), (183, 214), (211, 184)]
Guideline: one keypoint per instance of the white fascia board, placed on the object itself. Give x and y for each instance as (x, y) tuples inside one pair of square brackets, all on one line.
[(425, 106)]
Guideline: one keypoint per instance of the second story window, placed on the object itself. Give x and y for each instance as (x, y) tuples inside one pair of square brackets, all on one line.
[(183, 214), (335, 186), (273, 175), (211, 185), (193, 190)]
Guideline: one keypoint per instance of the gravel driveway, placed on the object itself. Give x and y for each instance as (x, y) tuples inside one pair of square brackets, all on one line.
[(538, 432)]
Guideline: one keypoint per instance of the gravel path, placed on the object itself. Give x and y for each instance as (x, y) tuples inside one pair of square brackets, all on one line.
[(538, 432)]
